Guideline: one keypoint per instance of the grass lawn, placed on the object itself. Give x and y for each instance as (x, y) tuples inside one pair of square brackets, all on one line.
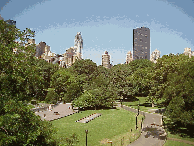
[(175, 143), (179, 137), (142, 106), (113, 125)]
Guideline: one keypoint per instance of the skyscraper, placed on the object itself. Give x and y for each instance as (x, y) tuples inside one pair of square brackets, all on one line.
[(74, 53), (141, 43), (78, 45), (106, 60)]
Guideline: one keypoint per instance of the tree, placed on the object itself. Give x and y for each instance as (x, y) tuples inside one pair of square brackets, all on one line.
[(85, 68), (98, 93), (118, 79), (179, 94), (51, 96), (141, 81), (18, 124), (139, 63), (166, 65), (59, 80), (66, 85)]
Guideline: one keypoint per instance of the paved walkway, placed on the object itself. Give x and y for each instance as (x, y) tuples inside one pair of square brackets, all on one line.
[(153, 133), (60, 111)]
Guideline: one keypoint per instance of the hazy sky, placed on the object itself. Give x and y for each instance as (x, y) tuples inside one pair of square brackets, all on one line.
[(105, 24)]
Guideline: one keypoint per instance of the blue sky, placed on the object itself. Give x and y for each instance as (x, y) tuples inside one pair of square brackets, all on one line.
[(105, 24)]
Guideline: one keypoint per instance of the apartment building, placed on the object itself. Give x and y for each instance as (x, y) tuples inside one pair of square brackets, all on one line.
[(129, 57), (141, 43), (106, 60), (155, 55)]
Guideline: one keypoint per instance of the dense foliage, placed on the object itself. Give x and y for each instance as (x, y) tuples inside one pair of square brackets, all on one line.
[(20, 81)]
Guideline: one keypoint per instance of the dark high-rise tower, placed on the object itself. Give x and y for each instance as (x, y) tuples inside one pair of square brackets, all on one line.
[(141, 43)]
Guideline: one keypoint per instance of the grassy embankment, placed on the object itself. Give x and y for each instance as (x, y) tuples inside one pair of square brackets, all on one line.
[(113, 125), (144, 106)]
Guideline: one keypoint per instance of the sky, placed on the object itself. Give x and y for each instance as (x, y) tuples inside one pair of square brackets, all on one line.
[(105, 25)]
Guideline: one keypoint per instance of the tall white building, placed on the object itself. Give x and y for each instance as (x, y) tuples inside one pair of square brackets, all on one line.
[(155, 55), (129, 57), (106, 60), (74, 53), (78, 45)]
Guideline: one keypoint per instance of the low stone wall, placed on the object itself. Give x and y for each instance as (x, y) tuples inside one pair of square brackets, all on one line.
[(89, 118)]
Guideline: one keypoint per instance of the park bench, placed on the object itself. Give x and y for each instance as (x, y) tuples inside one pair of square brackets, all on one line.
[(56, 113)]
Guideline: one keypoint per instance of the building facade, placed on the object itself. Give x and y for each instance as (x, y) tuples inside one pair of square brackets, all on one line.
[(155, 55), (74, 53), (141, 43), (40, 49), (106, 60), (187, 51), (129, 57)]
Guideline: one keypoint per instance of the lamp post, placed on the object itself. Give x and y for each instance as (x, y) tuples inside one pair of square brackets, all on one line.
[(86, 131), (138, 110), (121, 101), (136, 122)]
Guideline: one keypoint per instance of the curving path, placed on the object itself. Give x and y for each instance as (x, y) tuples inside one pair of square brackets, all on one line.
[(153, 133)]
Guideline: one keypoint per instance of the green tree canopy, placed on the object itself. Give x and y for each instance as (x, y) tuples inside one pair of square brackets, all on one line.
[(179, 94), (84, 68), (166, 65), (19, 80)]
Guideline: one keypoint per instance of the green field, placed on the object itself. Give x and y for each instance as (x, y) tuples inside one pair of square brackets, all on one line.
[(144, 106), (175, 143), (113, 125)]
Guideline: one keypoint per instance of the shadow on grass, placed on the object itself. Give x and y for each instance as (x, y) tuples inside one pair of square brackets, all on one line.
[(181, 130)]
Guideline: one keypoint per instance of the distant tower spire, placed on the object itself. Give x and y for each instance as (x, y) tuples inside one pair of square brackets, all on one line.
[(78, 44)]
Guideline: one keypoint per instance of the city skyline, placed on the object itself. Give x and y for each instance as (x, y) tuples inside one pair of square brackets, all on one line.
[(109, 28)]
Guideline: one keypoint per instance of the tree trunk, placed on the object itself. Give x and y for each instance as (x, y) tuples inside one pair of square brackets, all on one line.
[(152, 104)]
